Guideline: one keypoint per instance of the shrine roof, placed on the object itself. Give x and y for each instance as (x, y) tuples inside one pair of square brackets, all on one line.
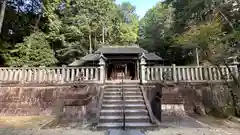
[(91, 57), (152, 56), (133, 49), (116, 50), (88, 57)]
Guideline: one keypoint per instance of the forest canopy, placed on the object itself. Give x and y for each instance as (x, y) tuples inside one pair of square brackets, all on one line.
[(56, 32)]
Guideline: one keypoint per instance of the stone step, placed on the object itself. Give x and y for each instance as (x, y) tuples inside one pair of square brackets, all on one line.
[(120, 106), (132, 92), (128, 112), (130, 101), (120, 89), (120, 93), (112, 89), (127, 124), (120, 86), (138, 124), (119, 97), (125, 97), (139, 118), (117, 91)]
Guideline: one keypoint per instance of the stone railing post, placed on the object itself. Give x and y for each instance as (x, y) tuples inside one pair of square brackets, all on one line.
[(143, 70), (63, 73), (24, 74), (236, 71), (174, 73), (102, 70)]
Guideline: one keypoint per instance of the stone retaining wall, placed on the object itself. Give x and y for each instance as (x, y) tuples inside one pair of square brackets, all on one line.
[(213, 99), (47, 101), (172, 100), (172, 108)]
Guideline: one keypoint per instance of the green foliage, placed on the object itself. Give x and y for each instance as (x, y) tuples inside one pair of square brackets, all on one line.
[(201, 35), (127, 34), (71, 27), (79, 25), (207, 36), (76, 22), (154, 25), (124, 25), (156, 34), (214, 38), (34, 51), (175, 28), (74, 27)]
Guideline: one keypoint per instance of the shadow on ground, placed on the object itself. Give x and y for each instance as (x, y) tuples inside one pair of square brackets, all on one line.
[(181, 122)]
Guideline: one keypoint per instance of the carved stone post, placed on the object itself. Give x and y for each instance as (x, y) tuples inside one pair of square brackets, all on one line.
[(143, 69), (174, 73), (102, 64), (63, 73)]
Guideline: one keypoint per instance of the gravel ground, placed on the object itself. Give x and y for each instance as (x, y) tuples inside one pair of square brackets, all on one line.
[(59, 131), (186, 126), (167, 131), (194, 131)]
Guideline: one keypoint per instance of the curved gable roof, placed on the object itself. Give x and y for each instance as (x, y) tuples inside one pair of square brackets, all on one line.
[(134, 49), (116, 50), (153, 57)]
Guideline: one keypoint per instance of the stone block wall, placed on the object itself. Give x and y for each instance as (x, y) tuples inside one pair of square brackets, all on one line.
[(172, 102), (213, 99), (68, 100)]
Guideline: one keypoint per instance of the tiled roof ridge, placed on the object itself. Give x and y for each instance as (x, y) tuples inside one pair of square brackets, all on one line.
[(120, 46)]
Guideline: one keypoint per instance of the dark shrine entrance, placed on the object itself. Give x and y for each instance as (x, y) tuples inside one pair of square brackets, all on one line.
[(115, 70)]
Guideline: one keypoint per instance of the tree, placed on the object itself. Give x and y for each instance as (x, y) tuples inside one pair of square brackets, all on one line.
[(78, 25), (212, 26), (40, 53), (192, 15), (2, 13), (123, 27), (72, 28), (156, 34), (207, 37)]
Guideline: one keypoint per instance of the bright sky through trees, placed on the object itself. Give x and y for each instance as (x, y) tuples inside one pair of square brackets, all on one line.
[(141, 5)]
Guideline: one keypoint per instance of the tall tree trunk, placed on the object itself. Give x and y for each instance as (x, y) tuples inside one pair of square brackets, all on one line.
[(231, 91), (36, 26), (197, 56), (95, 40), (226, 19), (90, 42), (2, 13), (103, 34)]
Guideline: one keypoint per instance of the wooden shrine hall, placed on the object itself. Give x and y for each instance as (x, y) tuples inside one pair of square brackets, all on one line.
[(119, 60)]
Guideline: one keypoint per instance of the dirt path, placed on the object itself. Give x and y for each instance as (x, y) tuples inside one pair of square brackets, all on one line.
[(193, 131), (186, 126), (168, 131)]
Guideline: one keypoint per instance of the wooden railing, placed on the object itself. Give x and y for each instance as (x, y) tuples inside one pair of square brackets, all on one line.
[(49, 74), (190, 73)]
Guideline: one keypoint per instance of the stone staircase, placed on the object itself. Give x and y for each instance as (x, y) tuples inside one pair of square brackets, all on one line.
[(133, 107)]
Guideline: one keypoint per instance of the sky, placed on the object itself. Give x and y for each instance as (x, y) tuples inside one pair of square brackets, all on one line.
[(142, 6)]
